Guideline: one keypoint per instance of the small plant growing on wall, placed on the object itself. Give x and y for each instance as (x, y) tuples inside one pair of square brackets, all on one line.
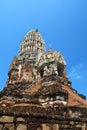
[(36, 30)]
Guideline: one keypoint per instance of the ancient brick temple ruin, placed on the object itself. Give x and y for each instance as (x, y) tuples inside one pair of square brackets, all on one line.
[(38, 94)]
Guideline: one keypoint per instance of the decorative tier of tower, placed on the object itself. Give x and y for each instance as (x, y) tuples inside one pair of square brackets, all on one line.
[(32, 47)]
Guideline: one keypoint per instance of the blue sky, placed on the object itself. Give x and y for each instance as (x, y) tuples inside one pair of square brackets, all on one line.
[(63, 25)]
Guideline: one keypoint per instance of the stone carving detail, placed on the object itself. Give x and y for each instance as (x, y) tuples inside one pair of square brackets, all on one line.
[(51, 63), (52, 69), (35, 74), (58, 57), (46, 71), (53, 102)]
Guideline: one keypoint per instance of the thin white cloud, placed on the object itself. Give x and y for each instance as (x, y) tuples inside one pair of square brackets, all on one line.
[(75, 71), (78, 76)]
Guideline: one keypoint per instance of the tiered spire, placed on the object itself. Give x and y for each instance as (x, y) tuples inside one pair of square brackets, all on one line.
[(32, 46)]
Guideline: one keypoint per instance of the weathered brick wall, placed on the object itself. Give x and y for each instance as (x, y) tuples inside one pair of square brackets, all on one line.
[(38, 118), (10, 122)]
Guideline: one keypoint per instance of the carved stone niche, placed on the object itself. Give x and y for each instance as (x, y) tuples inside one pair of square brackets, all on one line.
[(60, 69), (52, 68)]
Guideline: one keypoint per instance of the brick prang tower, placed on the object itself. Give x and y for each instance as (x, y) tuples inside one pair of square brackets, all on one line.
[(38, 94)]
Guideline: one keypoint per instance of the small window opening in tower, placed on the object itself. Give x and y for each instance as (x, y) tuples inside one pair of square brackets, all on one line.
[(59, 72), (41, 73)]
